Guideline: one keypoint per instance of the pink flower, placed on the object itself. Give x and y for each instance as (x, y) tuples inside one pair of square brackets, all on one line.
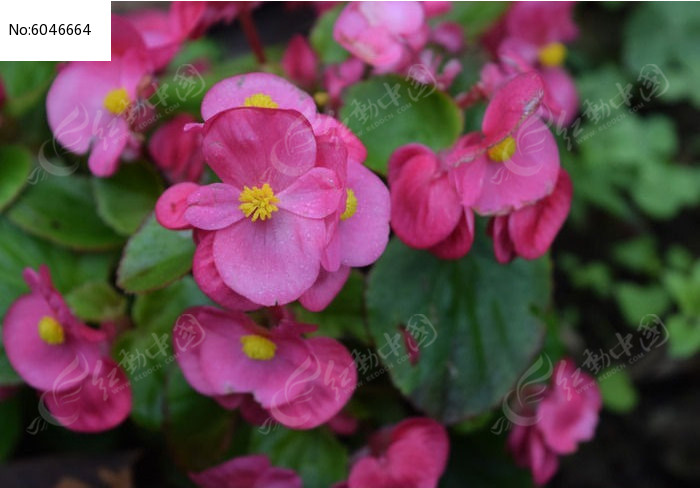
[(247, 472), (268, 215), (412, 454), (56, 353), (339, 76), (301, 382), (197, 17), (516, 151), (386, 35), (300, 62), (178, 153), (566, 415), (89, 104), (541, 23), (530, 231), (427, 212)]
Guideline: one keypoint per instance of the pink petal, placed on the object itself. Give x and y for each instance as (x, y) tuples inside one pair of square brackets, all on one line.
[(300, 62), (271, 262), (254, 146), (560, 97), (252, 471), (525, 178), (356, 151), (457, 244), (314, 195), (511, 105), (502, 244), (324, 290), (318, 388), (364, 236), (43, 366), (107, 147), (533, 229), (171, 206), (213, 206), (100, 402), (209, 280), (542, 23), (178, 153), (425, 208), (232, 93)]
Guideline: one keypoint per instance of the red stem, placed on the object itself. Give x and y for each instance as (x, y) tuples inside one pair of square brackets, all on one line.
[(251, 33)]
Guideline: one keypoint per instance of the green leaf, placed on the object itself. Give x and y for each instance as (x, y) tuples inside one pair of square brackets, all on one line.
[(62, 210), (154, 257), (344, 317), (318, 457), (684, 335), (25, 83), (638, 255), (636, 301), (475, 17), (321, 37), (69, 270), (684, 287), (199, 430), (126, 199), (139, 350), (619, 394), (96, 301), (10, 426), (483, 317), (15, 165), (387, 112)]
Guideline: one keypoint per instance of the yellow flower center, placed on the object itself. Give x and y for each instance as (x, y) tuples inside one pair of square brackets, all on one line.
[(117, 101), (51, 331), (321, 98), (261, 100), (553, 54), (502, 151), (258, 203), (350, 205), (258, 347)]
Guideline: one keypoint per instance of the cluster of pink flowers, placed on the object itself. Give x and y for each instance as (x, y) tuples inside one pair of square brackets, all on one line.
[(295, 210), (509, 170), (565, 415), (65, 359)]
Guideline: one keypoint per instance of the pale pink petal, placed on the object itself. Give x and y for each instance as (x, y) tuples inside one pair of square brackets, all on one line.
[(315, 194), (324, 290), (171, 206), (213, 207)]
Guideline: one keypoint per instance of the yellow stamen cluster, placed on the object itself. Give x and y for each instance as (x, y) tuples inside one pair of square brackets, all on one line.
[(258, 347), (117, 101), (261, 100), (50, 331), (350, 205), (258, 203), (553, 54), (502, 151)]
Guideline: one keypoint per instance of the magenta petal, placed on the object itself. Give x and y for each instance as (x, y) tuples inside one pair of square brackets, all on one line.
[(300, 62), (41, 365), (209, 280), (271, 262), (247, 472), (171, 206), (561, 96), (324, 290), (318, 388), (100, 402), (459, 242), (254, 146), (213, 206), (324, 124), (533, 229), (529, 175), (364, 236), (315, 194), (104, 156), (233, 92), (425, 208), (511, 105), (502, 244)]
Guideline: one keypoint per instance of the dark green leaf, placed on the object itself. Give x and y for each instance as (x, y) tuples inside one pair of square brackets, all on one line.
[(318, 457), (25, 83), (475, 17), (154, 257), (387, 112), (478, 317), (125, 199), (15, 164), (10, 426), (62, 210)]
